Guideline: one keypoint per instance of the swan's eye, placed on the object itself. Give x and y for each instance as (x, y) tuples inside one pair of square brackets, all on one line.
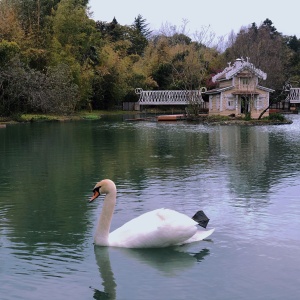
[(97, 189)]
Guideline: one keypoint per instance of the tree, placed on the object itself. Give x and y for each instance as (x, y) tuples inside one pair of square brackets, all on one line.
[(112, 31), (110, 80), (53, 92), (142, 27), (33, 16), (268, 25), (138, 36), (24, 89), (8, 50), (75, 43), (179, 39), (72, 28), (293, 66), (260, 44), (10, 25)]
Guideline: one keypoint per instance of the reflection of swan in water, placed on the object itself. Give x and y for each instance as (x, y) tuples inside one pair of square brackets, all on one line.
[(155, 229), (107, 275), (168, 261)]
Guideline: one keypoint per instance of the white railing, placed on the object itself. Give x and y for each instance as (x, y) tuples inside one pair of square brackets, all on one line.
[(294, 95), (170, 97)]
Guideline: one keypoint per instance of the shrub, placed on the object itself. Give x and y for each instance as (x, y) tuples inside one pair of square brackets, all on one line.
[(276, 117)]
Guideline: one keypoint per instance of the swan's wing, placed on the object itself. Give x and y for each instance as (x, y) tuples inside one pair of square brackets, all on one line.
[(158, 228)]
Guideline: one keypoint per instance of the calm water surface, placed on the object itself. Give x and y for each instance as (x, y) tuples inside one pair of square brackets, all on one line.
[(246, 179)]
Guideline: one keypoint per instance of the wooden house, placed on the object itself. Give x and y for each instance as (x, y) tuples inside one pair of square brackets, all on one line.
[(238, 92)]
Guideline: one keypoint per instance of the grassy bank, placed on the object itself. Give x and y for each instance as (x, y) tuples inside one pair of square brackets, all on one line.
[(82, 115), (272, 119)]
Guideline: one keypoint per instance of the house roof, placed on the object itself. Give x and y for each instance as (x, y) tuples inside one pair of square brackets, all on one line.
[(238, 66), (219, 90), (240, 92), (265, 89)]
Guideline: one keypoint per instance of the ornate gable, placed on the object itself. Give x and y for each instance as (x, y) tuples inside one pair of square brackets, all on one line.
[(239, 68)]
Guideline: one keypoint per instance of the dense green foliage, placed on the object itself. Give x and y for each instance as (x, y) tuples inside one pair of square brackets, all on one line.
[(54, 58)]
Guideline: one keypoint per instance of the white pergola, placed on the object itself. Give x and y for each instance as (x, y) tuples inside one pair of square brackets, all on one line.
[(294, 95), (170, 97)]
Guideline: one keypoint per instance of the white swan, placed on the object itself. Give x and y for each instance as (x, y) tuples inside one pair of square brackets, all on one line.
[(154, 229)]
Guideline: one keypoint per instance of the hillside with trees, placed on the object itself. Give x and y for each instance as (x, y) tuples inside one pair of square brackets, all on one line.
[(54, 58)]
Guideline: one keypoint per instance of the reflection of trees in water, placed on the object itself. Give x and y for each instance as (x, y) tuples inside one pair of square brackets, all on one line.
[(47, 168), (168, 261), (255, 158), (39, 171), (142, 150)]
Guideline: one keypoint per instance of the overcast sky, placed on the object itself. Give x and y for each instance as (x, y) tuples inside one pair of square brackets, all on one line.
[(221, 16)]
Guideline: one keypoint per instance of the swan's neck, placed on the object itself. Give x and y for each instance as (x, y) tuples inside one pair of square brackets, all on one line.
[(103, 226)]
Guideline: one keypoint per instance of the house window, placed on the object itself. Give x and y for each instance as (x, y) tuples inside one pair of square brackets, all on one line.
[(218, 102), (245, 81), (259, 102), (230, 104)]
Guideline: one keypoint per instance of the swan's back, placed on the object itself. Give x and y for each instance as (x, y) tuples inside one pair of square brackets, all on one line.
[(157, 228)]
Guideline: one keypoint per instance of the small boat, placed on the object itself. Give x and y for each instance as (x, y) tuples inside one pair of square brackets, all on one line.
[(171, 117)]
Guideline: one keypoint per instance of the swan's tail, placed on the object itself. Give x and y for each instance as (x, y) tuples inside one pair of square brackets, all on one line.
[(201, 218), (199, 236)]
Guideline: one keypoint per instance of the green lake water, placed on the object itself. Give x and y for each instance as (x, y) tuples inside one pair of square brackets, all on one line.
[(246, 179)]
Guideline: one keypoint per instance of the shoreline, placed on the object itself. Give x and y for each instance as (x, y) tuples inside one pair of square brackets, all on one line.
[(96, 115)]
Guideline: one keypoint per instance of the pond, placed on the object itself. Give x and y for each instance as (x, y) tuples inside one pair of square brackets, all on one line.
[(246, 180)]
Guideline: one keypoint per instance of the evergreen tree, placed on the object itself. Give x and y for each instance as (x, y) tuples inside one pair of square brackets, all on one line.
[(268, 24), (294, 44), (141, 26), (139, 36)]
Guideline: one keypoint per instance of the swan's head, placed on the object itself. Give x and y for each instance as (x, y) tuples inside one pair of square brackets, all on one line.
[(103, 187)]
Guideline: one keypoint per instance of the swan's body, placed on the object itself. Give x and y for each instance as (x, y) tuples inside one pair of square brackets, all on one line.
[(154, 229)]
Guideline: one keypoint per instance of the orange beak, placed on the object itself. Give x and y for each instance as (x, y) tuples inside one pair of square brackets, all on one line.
[(96, 195)]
